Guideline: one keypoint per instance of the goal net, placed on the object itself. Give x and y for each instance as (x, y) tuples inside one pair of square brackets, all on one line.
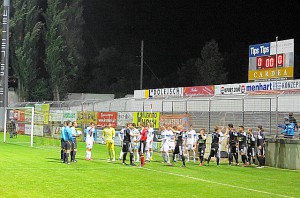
[(26, 126)]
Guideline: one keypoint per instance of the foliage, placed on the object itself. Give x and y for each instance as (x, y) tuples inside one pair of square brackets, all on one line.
[(210, 68)]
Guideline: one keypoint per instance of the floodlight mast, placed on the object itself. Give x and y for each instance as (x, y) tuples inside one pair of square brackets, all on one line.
[(4, 55)]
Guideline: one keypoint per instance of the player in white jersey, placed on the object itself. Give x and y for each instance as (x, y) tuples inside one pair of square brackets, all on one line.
[(149, 142), (191, 140), (166, 143), (121, 137), (135, 143), (89, 140)]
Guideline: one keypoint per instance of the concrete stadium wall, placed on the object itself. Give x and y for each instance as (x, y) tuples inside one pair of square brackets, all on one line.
[(283, 153)]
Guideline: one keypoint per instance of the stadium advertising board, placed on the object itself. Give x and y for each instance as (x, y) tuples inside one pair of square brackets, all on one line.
[(86, 117), (145, 117), (42, 113), (124, 118), (164, 92), (104, 118), (69, 115), (175, 119), (56, 116), (262, 61), (141, 93), (199, 90), (229, 89)]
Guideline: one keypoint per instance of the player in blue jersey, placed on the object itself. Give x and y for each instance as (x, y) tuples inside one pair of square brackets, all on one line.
[(75, 134), (62, 142), (67, 140)]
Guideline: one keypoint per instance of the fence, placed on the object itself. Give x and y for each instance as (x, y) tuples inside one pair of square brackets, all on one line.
[(205, 112)]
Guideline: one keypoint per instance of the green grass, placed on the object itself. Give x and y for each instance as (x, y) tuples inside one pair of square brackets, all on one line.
[(38, 172)]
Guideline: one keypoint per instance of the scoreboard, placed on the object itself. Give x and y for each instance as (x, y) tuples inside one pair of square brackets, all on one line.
[(271, 61), (267, 62)]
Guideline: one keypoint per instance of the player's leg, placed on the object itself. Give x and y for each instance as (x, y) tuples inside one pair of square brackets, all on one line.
[(112, 150), (230, 157), (147, 151), (188, 148), (74, 149), (121, 153), (124, 151), (253, 155), (217, 154), (107, 143), (211, 154), (181, 153), (68, 147), (194, 153), (62, 149), (235, 155), (130, 149)]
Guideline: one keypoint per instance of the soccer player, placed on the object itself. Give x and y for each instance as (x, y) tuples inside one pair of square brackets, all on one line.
[(201, 146), (191, 140), (62, 141), (242, 141), (166, 145), (74, 142), (251, 146), (135, 143), (232, 142), (109, 135), (180, 144), (142, 147), (127, 146), (67, 141), (215, 145), (149, 142), (89, 140), (261, 147), (121, 137)]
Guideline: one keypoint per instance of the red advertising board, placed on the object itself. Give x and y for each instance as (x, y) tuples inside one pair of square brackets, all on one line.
[(199, 90), (175, 119), (107, 117)]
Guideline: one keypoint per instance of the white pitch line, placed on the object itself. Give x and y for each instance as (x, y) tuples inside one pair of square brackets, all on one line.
[(213, 182)]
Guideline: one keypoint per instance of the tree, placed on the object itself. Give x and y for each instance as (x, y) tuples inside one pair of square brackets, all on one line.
[(26, 33), (210, 69), (63, 44), (187, 73)]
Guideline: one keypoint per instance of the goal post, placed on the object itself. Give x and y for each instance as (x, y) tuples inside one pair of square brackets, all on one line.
[(19, 121)]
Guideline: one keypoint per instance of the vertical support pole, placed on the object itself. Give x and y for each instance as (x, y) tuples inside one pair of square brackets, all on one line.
[(270, 117), (5, 128), (209, 110), (32, 120)]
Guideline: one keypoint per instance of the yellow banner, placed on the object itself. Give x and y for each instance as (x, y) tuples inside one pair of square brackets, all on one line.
[(286, 72), (145, 117), (86, 117)]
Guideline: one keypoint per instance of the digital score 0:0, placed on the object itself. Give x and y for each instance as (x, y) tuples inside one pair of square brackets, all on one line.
[(268, 62)]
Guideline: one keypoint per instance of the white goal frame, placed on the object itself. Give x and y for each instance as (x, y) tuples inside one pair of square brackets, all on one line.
[(32, 122)]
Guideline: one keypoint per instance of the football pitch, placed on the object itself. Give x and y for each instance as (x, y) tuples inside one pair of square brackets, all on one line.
[(38, 172)]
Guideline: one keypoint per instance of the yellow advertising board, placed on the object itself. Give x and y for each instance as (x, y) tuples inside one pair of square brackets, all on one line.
[(86, 117), (286, 72), (145, 117)]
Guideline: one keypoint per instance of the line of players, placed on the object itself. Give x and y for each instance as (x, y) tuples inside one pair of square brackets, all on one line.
[(68, 134), (178, 142)]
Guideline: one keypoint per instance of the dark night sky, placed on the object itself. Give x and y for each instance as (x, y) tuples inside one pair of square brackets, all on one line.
[(175, 31)]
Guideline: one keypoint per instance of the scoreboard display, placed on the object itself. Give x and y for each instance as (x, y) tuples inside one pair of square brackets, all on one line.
[(267, 62), (271, 61)]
